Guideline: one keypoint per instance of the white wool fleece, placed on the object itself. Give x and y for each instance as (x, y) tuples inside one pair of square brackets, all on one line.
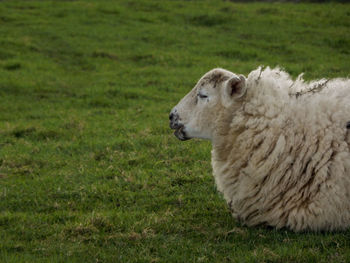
[(284, 158)]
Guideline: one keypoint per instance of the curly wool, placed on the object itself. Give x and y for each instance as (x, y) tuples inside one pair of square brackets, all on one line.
[(284, 161)]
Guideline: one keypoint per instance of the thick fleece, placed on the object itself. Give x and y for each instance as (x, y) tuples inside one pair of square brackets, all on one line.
[(282, 158)]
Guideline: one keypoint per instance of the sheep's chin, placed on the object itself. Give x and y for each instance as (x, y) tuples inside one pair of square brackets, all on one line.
[(181, 134)]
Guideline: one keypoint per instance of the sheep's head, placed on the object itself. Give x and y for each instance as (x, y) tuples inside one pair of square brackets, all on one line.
[(195, 115)]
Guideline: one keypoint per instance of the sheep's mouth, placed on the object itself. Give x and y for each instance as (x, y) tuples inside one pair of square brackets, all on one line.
[(180, 133)]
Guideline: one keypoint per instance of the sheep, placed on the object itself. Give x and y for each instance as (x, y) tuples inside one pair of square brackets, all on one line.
[(280, 147)]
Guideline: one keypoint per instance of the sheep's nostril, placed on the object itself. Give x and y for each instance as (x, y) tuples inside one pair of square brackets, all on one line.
[(171, 116)]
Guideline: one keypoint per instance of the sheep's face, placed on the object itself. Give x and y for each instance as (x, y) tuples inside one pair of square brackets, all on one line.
[(196, 114)]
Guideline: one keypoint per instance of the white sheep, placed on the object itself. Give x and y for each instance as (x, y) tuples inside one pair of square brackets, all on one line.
[(281, 148)]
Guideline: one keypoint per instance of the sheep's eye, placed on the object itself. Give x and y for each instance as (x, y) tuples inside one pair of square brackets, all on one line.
[(202, 96)]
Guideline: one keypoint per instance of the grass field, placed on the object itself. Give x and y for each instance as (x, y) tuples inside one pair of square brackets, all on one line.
[(90, 171)]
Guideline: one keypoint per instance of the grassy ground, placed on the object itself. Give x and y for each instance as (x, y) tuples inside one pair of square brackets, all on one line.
[(89, 170)]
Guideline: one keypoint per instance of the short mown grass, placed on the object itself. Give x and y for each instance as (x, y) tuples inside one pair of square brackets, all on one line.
[(90, 171)]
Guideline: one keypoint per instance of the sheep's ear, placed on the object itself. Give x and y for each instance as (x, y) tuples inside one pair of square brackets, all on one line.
[(236, 87)]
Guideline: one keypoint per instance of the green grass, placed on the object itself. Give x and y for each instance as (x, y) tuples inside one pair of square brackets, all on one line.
[(89, 170)]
